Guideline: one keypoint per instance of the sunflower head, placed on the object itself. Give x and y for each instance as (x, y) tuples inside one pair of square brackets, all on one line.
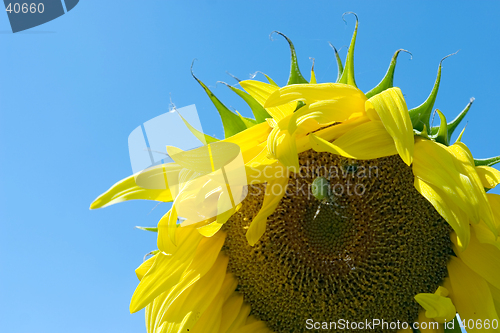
[(331, 204)]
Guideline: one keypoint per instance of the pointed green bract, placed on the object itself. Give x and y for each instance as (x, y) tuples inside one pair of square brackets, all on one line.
[(204, 138), (249, 122), (258, 111), (232, 123), (442, 134), (388, 80), (267, 77), (452, 125), (421, 114), (348, 72), (422, 133), (295, 75), (299, 105), (148, 229), (340, 66), (487, 161)]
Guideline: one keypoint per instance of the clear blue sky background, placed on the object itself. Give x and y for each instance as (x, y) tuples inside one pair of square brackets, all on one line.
[(73, 89)]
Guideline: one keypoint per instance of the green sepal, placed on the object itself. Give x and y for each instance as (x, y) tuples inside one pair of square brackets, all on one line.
[(421, 114), (271, 82), (295, 75), (348, 72), (148, 229), (258, 110), (249, 122), (340, 66), (422, 133), (487, 161), (204, 138), (452, 125), (388, 80), (299, 105), (232, 122), (442, 134), (456, 327)]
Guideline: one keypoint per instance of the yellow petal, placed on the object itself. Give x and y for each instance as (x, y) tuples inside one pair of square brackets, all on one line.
[(455, 216), (240, 319), (484, 259), (250, 139), (166, 271), (470, 294), (393, 112), (261, 91), (324, 113), (464, 162), (167, 229), (483, 232), (330, 133), (485, 235), (449, 170), (367, 141), (263, 169), (210, 320), (282, 146), (275, 190), (198, 297), (490, 177), (495, 293), (427, 325), (437, 308), (313, 93), (230, 311), (129, 189), (144, 267), (313, 76)]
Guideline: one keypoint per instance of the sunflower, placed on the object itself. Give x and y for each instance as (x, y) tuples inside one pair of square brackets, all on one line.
[(354, 210)]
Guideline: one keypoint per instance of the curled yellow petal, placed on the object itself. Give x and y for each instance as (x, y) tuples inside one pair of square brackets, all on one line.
[(427, 325), (490, 177), (438, 308), (283, 147), (367, 141), (275, 190), (149, 185), (393, 112)]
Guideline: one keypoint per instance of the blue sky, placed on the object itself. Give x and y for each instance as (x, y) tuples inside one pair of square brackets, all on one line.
[(72, 90)]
